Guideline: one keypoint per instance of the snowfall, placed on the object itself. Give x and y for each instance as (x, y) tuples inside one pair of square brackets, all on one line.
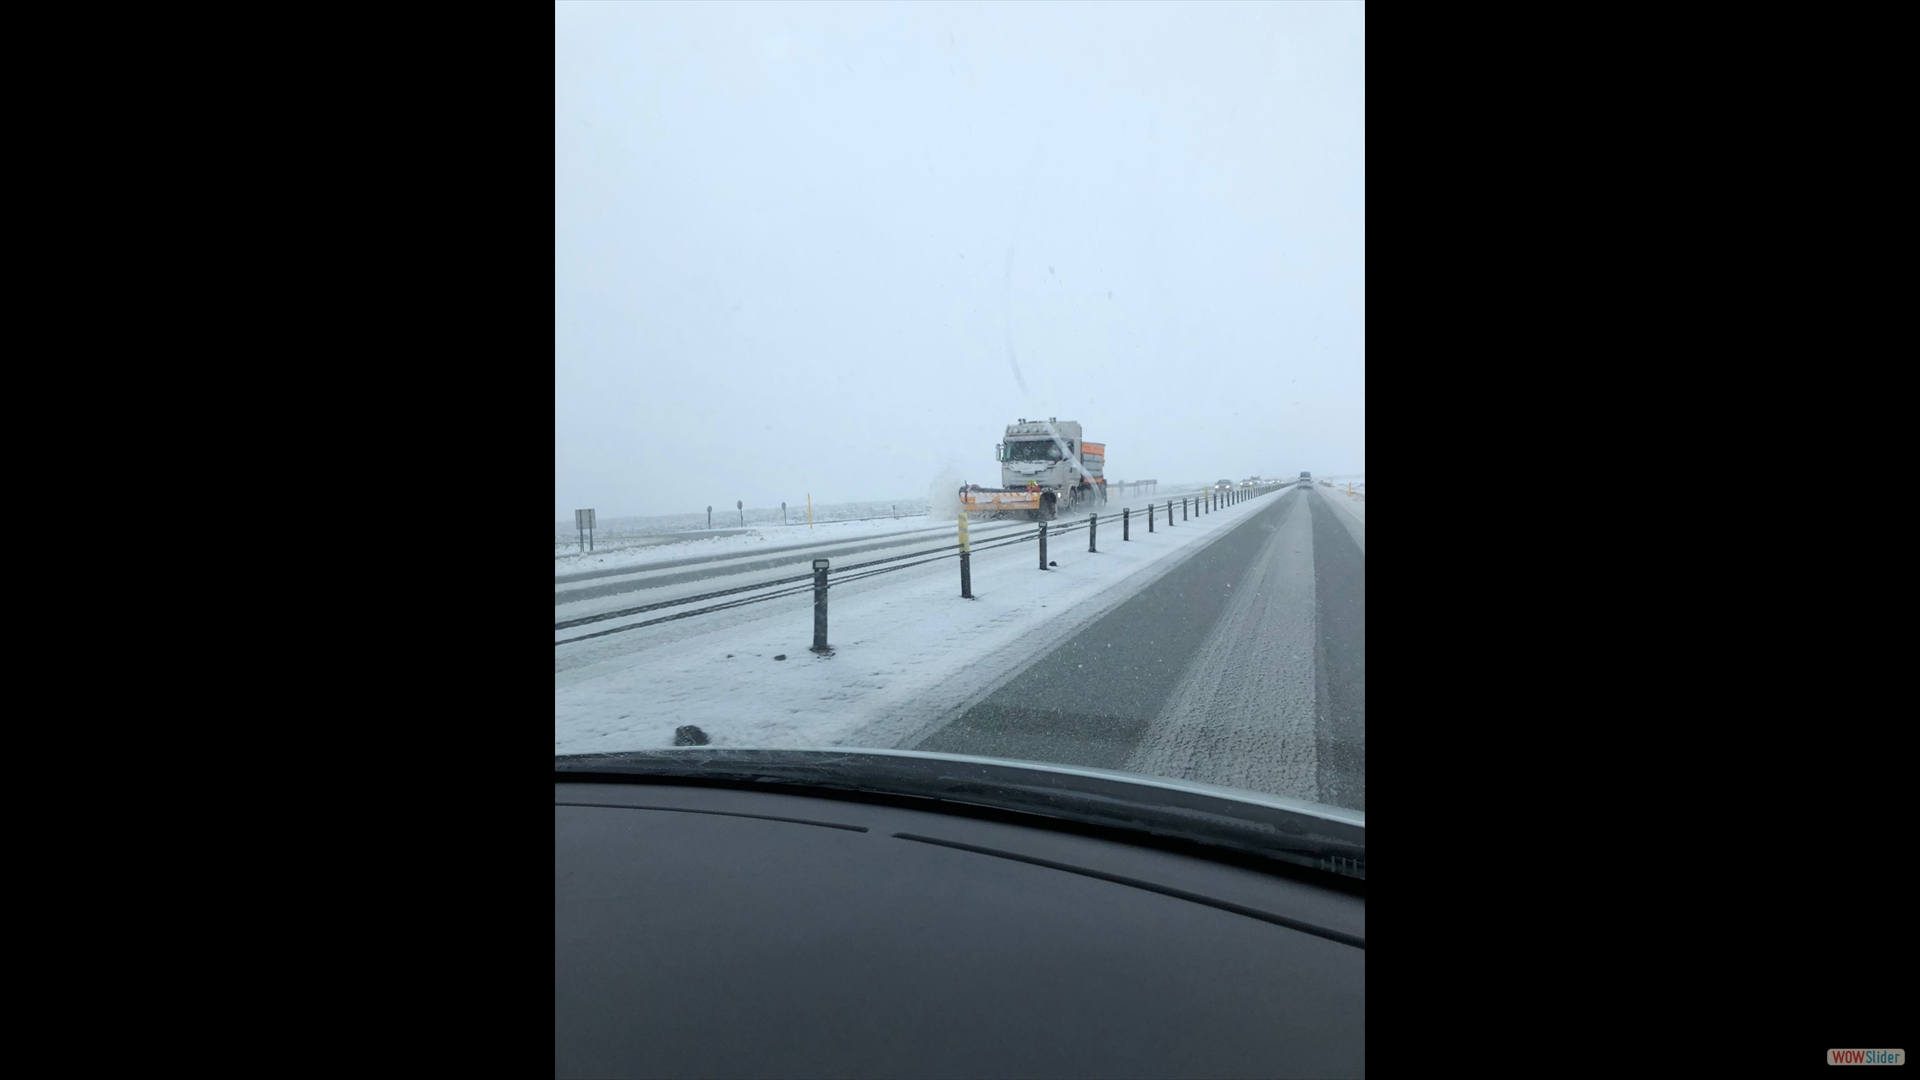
[(908, 653)]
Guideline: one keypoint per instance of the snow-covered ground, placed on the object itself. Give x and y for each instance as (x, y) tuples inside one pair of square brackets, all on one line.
[(1357, 482), (620, 533), (907, 648), (1354, 503), (643, 551)]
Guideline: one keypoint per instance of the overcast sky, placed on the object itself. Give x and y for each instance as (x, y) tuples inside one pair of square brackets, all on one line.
[(837, 248)]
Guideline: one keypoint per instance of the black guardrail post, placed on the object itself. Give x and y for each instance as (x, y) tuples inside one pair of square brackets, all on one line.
[(1043, 545), (1125, 525), (1093, 527), (1149, 517), (820, 606), (966, 559), (1183, 508), (1169, 513)]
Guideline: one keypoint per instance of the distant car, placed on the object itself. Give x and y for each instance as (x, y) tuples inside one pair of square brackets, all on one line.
[(1223, 485), (1306, 478)]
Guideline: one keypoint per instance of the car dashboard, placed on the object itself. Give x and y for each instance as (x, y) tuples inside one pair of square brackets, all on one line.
[(738, 929)]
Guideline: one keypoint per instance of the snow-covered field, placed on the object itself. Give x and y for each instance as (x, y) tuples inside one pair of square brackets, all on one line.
[(908, 651), (610, 531), (644, 551)]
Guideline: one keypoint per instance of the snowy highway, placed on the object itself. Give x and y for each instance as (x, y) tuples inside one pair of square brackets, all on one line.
[(593, 594), (593, 585), (1228, 648), (1244, 666)]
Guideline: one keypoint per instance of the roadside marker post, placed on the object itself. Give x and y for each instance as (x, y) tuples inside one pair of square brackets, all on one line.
[(820, 607), (966, 560)]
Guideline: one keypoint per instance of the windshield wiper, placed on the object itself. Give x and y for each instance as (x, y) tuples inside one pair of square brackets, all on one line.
[(1292, 831)]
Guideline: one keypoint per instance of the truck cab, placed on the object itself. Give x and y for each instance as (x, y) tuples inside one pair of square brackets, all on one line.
[(1051, 457)]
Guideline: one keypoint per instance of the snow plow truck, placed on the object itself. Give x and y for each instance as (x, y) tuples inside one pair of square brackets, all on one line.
[(1045, 468)]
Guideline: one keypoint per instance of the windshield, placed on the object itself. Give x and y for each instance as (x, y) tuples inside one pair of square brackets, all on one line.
[(813, 261), (1034, 450)]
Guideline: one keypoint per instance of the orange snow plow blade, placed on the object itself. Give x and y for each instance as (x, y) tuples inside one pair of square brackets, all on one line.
[(1001, 500)]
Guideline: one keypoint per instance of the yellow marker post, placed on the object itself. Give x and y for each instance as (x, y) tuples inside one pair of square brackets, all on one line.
[(809, 511)]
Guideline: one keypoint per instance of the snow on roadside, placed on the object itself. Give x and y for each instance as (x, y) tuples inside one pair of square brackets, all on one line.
[(648, 550), (905, 654), (1354, 505)]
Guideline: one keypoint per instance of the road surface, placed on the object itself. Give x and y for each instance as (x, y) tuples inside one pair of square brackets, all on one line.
[(1245, 666)]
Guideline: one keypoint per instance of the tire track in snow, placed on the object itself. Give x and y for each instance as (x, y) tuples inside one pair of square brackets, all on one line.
[(1244, 712), (1340, 613)]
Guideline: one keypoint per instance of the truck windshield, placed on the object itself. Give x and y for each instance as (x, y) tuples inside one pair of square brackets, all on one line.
[(1034, 450)]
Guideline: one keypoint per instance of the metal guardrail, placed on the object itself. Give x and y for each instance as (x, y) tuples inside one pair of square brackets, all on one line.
[(819, 580)]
